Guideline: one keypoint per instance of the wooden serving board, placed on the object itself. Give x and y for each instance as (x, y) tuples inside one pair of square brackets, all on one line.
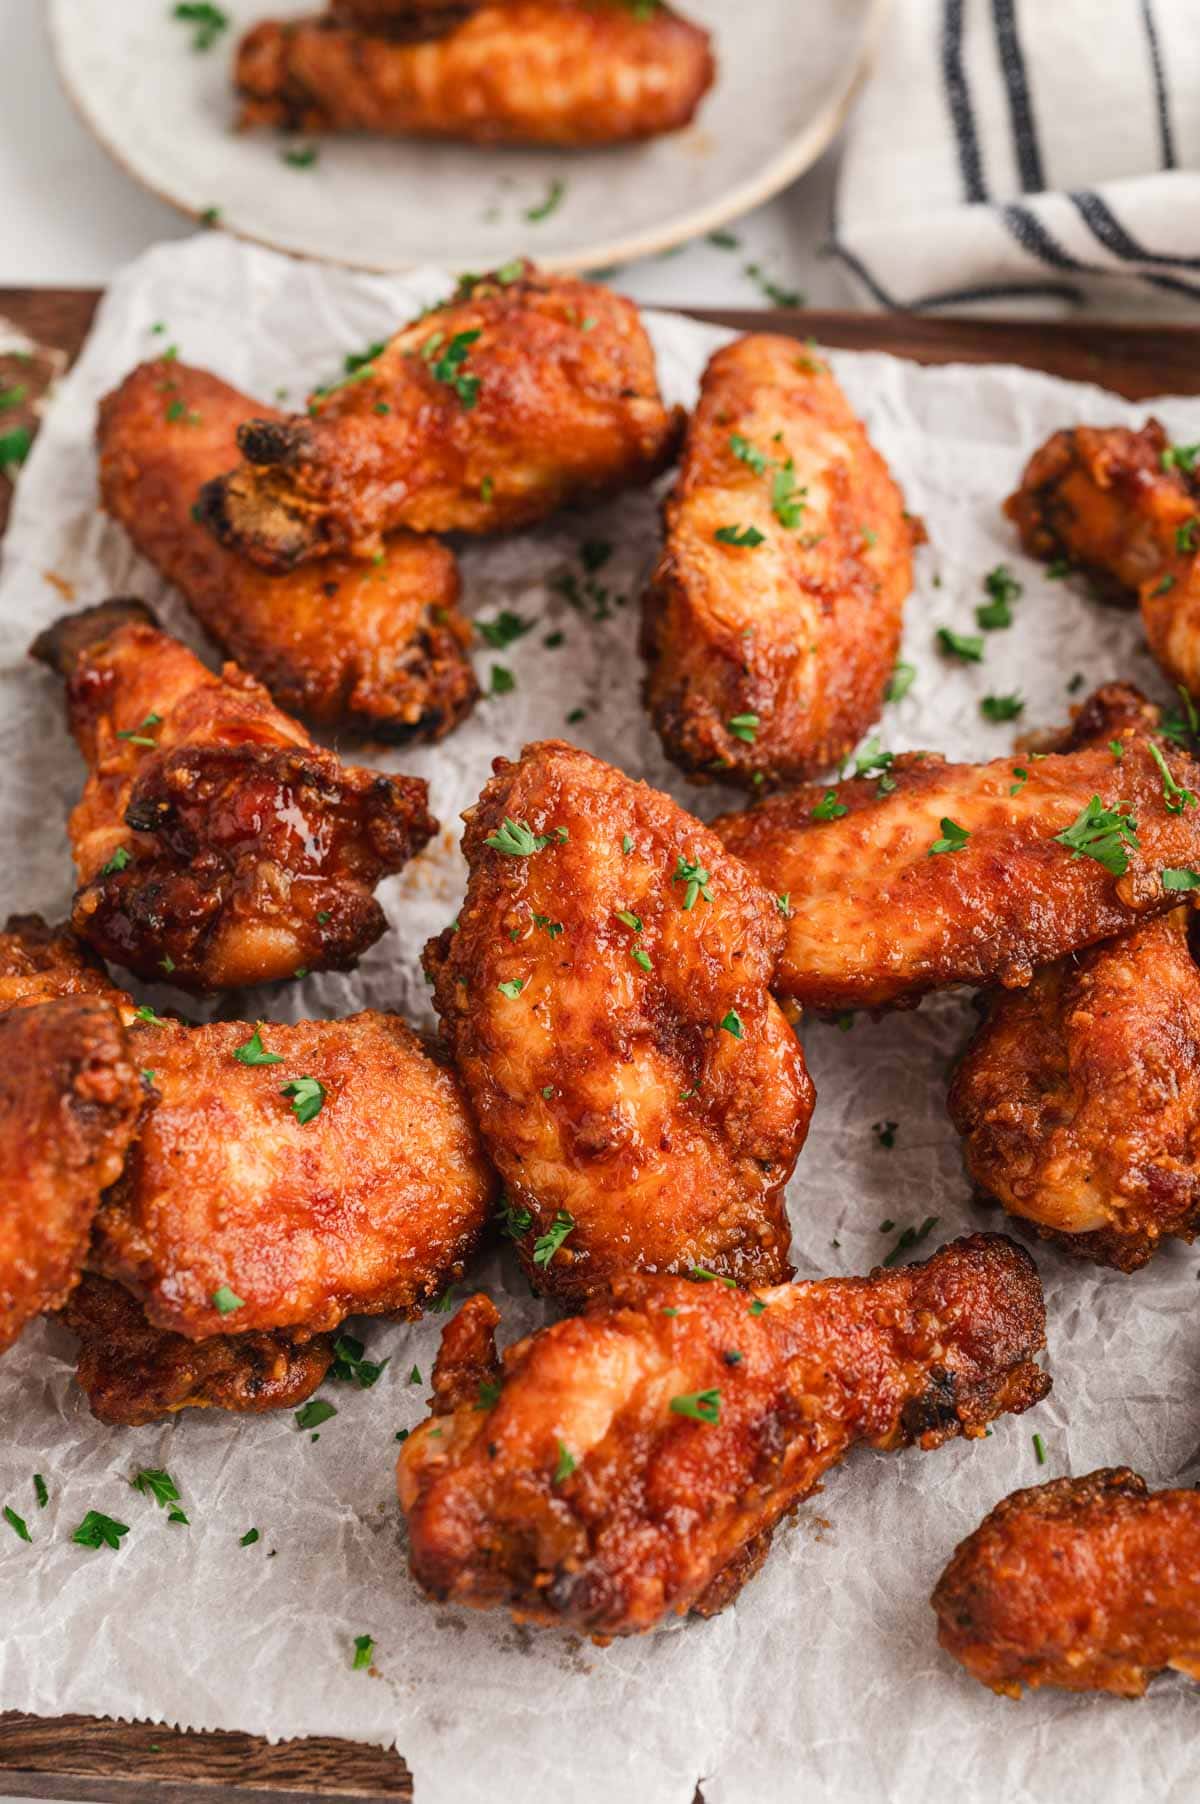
[(84, 1758)]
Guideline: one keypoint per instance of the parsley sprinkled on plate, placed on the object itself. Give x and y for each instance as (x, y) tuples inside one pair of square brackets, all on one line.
[(912, 1237), (350, 1367), (364, 1652), (966, 646), (99, 1530), (249, 1538), (553, 200), (902, 679), (17, 1523), (1180, 880), (504, 629), (314, 1412), (1002, 589), (209, 21), (999, 708)]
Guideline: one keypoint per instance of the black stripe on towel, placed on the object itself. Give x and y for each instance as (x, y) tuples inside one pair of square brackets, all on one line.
[(1000, 291), (1162, 97), (958, 99), (1108, 230), (1040, 242), (1020, 106)]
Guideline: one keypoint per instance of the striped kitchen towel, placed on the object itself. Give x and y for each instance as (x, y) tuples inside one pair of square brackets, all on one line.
[(1028, 155)]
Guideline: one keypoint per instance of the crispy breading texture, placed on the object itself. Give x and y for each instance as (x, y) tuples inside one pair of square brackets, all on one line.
[(376, 648), (568, 73), (523, 393), (70, 1097), (876, 917), (132, 1373), (605, 996), (39, 962), (768, 661), (372, 1206), (1091, 1584), (633, 1461), (214, 843)]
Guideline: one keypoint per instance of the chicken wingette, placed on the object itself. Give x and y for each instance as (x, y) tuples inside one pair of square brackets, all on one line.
[(522, 393), (633, 1461), (605, 995), (215, 844), (771, 624), (375, 647)]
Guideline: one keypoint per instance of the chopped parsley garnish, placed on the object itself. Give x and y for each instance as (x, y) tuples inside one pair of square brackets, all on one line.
[(209, 21), (1180, 457), (744, 727), (1117, 749), (446, 364), (700, 1406), (632, 921), (553, 928), (224, 1301), (1022, 776), (998, 708), (731, 1356), (503, 681), (308, 1098), (1060, 568), (784, 904), (15, 447), (1003, 589), (566, 1464), (553, 200), (967, 646), (744, 537), (138, 735), (364, 1652), (253, 1052), (778, 296), (249, 1538), (757, 1306), (16, 1523), (594, 554), (489, 1393), (733, 1024), (315, 1411), (873, 761), (695, 877), (1181, 879), (700, 1274), (152, 1481), (120, 858), (724, 241), (40, 1491), (912, 1237), (627, 844), (1185, 535), (445, 1303), (1175, 798), (749, 454), (787, 501), (514, 1220), (1103, 834), (349, 1366), (12, 397), (1182, 727), (1164, 585), (885, 1133), (953, 839), (504, 629), (903, 678), (512, 989), (828, 808), (307, 157), (99, 1530), (547, 1244), (516, 840), (414, 1377), (1039, 1449)]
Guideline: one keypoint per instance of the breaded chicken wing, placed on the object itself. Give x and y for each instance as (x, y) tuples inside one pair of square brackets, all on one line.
[(132, 1373), (378, 648), (1091, 1584), (291, 1175), (1124, 507), (568, 73), (633, 1461), (772, 621), (969, 873), (70, 1097), (604, 993), (214, 843), (38, 963), (522, 393)]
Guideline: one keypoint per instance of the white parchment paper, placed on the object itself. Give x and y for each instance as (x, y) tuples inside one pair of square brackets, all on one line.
[(824, 1682)]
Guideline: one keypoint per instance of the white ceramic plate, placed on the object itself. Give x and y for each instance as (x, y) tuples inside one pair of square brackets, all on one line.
[(165, 112)]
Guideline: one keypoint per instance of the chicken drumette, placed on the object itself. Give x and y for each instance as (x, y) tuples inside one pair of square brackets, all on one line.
[(772, 621), (634, 1461), (605, 996), (377, 647), (214, 843), (522, 393)]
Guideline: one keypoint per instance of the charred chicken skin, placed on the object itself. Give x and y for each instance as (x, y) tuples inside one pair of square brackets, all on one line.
[(214, 843), (772, 622), (633, 1461), (969, 873), (604, 993), (1090, 1584), (523, 393), (567, 73), (375, 648), (132, 1373)]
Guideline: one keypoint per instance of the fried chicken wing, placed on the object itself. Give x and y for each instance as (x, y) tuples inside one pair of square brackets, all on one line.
[(968, 873), (214, 843), (568, 73), (634, 1460), (771, 624), (1091, 1584), (310, 1172), (524, 392), (378, 648), (132, 1373), (39, 963), (605, 996), (409, 20), (70, 1097)]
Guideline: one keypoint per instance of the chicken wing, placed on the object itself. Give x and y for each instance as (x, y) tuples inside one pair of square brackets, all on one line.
[(408, 20), (771, 624), (214, 843), (39, 963), (1124, 507), (934, 874), (605, 996), (522, 393), (619, 1464), (132, 1373), (291, 1175), (1091, 1584), (567, 73), (378, 648), (70, 1098)]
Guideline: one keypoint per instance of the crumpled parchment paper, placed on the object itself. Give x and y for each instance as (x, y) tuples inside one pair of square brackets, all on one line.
[(824, 1682)]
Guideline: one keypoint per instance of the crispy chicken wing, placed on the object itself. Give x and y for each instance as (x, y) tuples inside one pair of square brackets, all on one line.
[(1091, 1584), (70, 1097), (214, 842), (772, 622), (960, 873), (310, 1171), (378, 648), (634, 1460), (522, 393), (570, 73), (605, 995), (38, 963), (132, 1373)]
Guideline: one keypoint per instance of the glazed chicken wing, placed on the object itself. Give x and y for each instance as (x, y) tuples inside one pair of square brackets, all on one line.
[(969, 873), (605, 996), (132, 1373), (1091, 1584), (633, 1461), (378, 648), (39, 963), (524, 392), (214, 843), (772, 622), (567, 73)]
